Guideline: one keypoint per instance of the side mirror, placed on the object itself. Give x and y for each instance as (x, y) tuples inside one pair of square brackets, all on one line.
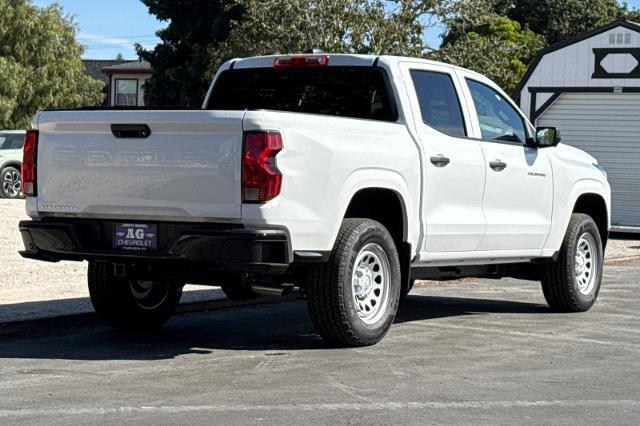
[(547, 136)]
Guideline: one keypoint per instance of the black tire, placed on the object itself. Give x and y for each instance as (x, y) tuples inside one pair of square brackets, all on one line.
[(11, 188), (330, 294), (114, 301), (562, 288), (238, 288)]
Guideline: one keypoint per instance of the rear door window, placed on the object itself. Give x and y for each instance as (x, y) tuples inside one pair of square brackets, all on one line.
[(356, 92), (439, 102)]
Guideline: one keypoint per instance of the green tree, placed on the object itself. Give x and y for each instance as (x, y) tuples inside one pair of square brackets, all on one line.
[(558, 20), (181, 59), (555, 20), (40, 63), (496, 46), (337, 26)]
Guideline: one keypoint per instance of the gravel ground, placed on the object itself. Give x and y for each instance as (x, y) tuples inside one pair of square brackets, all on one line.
[(29, 281), (617, 249)]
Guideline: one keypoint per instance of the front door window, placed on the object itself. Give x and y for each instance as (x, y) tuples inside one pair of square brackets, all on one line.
[(499, 121)]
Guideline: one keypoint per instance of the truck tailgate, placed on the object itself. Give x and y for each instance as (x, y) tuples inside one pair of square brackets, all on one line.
[(188, 168)]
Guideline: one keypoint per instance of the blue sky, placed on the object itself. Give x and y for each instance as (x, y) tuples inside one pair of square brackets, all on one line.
[(109, 27), (634, 3)]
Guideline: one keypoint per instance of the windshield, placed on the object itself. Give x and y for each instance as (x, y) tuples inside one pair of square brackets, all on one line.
[(357, 92)]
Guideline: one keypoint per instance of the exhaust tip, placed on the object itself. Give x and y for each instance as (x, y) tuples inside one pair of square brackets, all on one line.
[(282, 291)]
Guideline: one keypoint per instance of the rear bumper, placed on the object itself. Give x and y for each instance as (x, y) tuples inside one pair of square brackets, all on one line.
[(229, 247)]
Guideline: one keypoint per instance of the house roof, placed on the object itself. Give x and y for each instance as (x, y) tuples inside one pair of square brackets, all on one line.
[(561, 45), (94, 67), (142, 67)]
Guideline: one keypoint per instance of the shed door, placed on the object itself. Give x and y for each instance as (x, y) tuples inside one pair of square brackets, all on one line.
[(607, 126)]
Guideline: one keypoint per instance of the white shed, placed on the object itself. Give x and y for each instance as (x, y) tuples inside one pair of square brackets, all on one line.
[(589, 88)]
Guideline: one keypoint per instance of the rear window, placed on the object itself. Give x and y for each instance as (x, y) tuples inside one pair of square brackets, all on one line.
[(357, 92)]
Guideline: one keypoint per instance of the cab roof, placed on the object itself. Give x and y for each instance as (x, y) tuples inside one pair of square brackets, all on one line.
[(335, 59)]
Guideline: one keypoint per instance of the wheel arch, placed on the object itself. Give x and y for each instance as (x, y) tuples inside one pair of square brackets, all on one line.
[(594, 205), (12, 163), (583, 195), (366, 185), (383, 205), (394, 216)]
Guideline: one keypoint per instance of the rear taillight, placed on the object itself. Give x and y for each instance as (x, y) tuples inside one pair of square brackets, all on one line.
[(261, 179), (301, 61), (29, 163)]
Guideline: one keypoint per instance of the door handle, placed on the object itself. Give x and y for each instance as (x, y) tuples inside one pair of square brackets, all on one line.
[(130, 131), (440, 160), (498, 165)]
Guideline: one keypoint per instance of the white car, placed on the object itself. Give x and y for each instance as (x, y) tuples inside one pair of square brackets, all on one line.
[(11, 142), (349, 176)]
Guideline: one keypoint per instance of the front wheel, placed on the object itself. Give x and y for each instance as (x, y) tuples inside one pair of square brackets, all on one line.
[(572, 282), (130, 304), (353, 298)]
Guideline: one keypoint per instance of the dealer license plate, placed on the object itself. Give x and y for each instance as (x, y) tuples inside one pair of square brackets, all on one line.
[(139, 237)]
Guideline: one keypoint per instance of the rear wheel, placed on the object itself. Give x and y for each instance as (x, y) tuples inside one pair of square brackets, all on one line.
[(572, 283), (11, 183), (131, 304), (353, 299)]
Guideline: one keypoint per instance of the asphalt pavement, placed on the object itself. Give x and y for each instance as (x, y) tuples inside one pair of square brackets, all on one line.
[(477, 351)]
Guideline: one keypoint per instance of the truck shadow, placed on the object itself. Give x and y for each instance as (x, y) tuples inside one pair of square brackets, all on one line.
[(282, 326)]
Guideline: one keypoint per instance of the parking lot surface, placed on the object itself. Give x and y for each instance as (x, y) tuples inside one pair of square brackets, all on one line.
[(477, 351)]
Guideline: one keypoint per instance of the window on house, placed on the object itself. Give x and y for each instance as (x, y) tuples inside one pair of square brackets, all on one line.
[(126, 92)]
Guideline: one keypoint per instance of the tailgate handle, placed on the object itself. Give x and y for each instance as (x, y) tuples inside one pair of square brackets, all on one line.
[(130, 131)]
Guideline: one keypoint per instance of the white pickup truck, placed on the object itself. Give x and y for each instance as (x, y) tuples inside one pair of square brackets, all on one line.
[(347, 176)]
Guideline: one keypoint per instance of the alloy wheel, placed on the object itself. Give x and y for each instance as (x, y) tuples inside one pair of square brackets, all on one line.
[(12, 183)]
